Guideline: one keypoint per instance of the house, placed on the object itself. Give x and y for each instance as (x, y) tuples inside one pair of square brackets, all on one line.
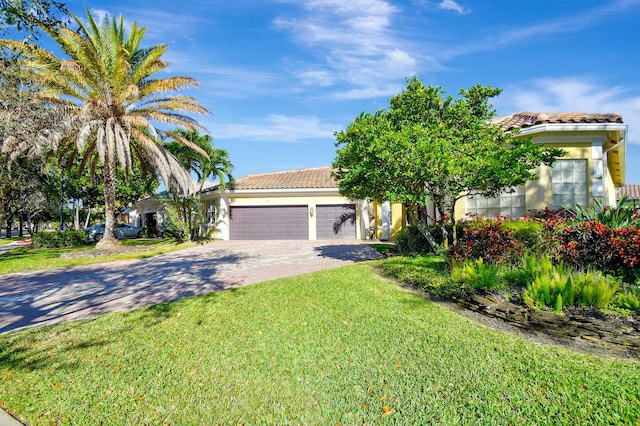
[(592, 168), (632, 192), (294, 204)]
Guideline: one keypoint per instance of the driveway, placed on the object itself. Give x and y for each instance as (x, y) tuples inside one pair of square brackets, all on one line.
[(63, 294)]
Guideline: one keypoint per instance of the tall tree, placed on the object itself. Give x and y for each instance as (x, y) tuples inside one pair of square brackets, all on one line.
[(27, 15), (108, 83), (207, 162), (431, 148)]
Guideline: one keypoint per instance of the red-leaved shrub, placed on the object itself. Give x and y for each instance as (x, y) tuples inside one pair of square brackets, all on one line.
[(488, 241), (593, 245)]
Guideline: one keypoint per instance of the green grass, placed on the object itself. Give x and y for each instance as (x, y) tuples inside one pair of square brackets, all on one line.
[(342, 346), (28, 258), (384, 248)]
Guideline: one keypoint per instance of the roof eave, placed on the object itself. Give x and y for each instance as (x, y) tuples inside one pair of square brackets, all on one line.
[(585, 127)]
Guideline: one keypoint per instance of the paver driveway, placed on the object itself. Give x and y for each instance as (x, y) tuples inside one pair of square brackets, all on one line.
[(63, 294)]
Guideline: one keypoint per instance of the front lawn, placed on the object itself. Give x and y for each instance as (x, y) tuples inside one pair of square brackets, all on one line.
[(29, 258), (342, 346)]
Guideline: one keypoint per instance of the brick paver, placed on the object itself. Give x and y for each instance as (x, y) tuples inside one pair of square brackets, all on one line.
[(63, 294)]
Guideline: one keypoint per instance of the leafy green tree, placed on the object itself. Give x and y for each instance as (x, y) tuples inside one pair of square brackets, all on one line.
[(431, 148), (26, 15), (109, 86)]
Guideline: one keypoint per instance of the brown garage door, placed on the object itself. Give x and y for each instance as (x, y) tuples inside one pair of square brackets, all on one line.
[(330, 217), (269, 223)]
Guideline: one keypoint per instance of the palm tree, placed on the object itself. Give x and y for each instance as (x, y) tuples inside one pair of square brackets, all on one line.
[(108, 85), (207, 162)]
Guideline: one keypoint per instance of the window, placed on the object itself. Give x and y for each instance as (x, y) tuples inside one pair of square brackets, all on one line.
[(569, 183), (211, 211), (510, 204)]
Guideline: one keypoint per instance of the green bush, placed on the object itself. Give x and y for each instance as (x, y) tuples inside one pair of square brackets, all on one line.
[(595, 289), (54, 239), (551, 290), (477, 274), (410, 240), (628, 299), (530, 267), (620, 216), (528, 233)]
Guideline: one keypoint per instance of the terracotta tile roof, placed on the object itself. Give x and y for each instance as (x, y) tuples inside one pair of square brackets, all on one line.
[(631, 190), (528, 119), (318, 177)]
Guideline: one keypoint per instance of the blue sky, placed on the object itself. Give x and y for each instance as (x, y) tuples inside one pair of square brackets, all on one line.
[(281, 76)]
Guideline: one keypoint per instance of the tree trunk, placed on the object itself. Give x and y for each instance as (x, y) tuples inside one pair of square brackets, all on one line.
[(86, 221), (109, 176), (423, 229), (453, 224)]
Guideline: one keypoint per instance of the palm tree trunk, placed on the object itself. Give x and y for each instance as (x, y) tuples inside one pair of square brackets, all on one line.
[(109, 176)]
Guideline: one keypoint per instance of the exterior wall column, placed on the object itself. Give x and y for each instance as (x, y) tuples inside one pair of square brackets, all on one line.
[(385, 220), (223, 218), (312, 217)]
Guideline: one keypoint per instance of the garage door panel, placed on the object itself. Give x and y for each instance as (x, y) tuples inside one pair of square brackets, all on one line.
[(329, 215), (269, 223)]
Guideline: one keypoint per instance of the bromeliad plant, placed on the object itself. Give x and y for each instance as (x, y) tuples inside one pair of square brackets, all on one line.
[(618, 217)]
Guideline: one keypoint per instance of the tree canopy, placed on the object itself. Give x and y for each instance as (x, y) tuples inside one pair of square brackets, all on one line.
[(108, 85), (428, 147)]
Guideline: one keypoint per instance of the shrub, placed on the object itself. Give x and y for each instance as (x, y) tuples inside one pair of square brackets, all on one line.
[(553, 215), (410, 241), (628, 299), (476, 273), (619, 216), (528, 233), (595, 289), (488, 241), (551, 290), (625, 244), (593, 245), (585, 245), (54, 239), (529, 268)]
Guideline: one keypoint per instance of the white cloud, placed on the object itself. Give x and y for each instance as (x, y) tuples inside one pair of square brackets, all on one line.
[(453, 5), (355, 44), (276, 128), (575, 94)]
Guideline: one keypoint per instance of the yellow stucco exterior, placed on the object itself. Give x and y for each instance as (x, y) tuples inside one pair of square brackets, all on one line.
[(601, 146)]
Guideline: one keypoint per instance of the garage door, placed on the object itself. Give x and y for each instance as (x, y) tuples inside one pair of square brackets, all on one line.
[(269, 223), (330, 217)]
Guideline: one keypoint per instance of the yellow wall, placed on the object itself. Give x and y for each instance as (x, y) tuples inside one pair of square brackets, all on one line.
[(398, 219)]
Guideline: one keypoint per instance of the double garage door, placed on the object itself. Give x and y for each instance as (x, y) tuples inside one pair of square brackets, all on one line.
[(291, 222)]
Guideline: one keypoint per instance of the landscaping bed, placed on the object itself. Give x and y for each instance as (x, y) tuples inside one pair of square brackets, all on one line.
[(610, 335)]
